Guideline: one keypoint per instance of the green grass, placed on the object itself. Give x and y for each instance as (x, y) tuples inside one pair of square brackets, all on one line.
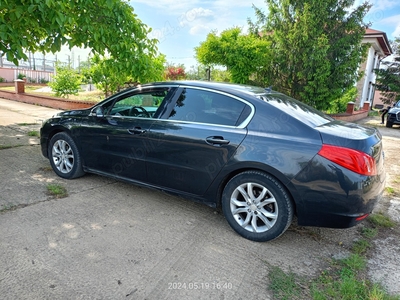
[(283, 285), (369, 233), (57, 190), (361, 246), (373, 113), (343, 279), (7, 208), (25, 124), (33, 133), (390, 191), (380, 220), (92, 96), (2, 147)]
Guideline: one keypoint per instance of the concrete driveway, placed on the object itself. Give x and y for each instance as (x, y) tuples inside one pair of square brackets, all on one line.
[(112, 240)]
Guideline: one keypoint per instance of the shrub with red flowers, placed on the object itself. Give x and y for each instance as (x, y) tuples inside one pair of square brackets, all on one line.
[(174, 73)]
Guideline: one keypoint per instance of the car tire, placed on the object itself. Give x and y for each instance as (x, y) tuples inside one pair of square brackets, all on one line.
[(389, 124), (64, 156), (257, 206)]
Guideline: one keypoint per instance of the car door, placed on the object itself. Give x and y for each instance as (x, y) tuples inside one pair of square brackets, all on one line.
[(114, 141), (194, 139)]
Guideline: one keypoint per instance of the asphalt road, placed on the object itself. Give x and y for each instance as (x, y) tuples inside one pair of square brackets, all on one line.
[(112, 240)]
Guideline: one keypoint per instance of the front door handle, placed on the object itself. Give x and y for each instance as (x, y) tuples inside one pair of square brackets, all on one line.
[(136, 130), (216, 140)]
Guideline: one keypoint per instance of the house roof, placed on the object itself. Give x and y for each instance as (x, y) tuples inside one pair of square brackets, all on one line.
[(381, 38)]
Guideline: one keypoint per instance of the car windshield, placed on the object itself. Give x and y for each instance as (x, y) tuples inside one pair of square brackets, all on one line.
[(297, 109)]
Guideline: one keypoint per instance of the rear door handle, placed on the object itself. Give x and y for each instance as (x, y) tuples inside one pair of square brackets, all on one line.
[(216, 140), (136, 130)]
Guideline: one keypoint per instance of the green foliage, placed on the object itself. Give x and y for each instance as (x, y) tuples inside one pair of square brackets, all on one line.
[(380, 220), (109, 75), (66, 81), (315, 47), (220, 75), (199, 72), (241, 54), (2, 79), (21, 76), (388, 76), (340, 105), (105, 26)]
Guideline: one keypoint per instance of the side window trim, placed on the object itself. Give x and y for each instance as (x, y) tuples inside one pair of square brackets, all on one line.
[(138, 91), (174, 99)]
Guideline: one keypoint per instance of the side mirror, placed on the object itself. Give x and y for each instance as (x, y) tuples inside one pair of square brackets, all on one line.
[(98, 112)]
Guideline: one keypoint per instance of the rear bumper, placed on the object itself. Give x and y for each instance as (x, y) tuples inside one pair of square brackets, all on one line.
[(337, 199)]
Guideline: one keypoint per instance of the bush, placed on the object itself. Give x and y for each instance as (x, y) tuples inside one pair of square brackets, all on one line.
[(340, 105), (2, 79), (66, 82)]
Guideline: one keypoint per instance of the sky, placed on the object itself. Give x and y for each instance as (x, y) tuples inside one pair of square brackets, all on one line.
[(181, 25)]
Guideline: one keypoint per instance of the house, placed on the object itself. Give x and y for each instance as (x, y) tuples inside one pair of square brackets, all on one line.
[(378, 50)]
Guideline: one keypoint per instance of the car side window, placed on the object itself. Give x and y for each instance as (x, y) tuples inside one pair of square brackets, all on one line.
[(196, 105), (142, 104)]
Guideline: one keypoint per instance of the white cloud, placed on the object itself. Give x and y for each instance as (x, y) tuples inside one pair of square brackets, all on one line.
[(392, 22), (169, 7), (383, 5), (195, 14), (199, 29)]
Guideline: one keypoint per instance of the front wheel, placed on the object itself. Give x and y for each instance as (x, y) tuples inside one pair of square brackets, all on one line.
[(64, 156), (389, 124), (257, 206)]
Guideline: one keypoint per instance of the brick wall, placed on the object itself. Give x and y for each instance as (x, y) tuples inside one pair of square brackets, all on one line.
[(51, 102)]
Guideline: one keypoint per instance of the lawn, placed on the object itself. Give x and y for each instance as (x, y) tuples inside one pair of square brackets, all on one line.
[(93, 96)]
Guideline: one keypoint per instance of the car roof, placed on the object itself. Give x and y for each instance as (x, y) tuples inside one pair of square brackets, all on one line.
[(220, 86)]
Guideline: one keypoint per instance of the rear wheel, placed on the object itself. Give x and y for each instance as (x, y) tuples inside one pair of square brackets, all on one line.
[(64, 156), (257, 206)]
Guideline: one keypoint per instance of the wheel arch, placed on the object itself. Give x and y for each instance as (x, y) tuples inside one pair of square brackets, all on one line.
[(281, 178), (53, 132)]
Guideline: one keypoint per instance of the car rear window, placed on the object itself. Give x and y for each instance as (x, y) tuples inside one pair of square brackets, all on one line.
[(304, 113)]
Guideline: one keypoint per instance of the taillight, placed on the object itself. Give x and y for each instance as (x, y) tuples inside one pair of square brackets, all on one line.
[(354, 160)]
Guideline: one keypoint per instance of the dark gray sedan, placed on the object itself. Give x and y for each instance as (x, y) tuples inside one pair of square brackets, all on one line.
[(260, 156)]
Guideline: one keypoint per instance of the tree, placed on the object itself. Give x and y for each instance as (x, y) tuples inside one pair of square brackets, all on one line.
[(110, 77), (174, 72), (315, 47), (388, 77), (66, 81), (105, 26), (241, 54), (200, 72)]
